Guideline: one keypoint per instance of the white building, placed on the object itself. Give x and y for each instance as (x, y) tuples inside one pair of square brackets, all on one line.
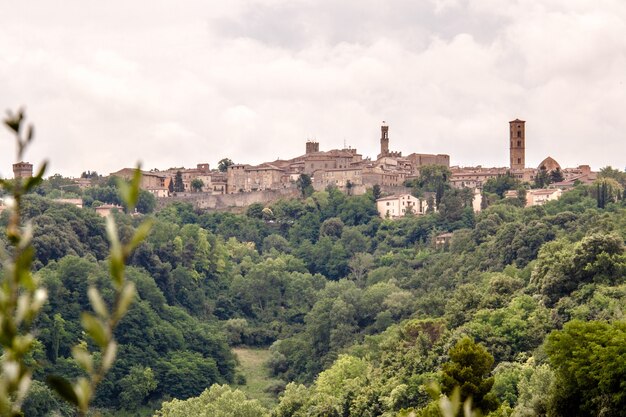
[(537, 197), (398, 205)]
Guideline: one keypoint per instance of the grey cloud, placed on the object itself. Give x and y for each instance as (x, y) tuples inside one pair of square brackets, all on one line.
[(111, 83)]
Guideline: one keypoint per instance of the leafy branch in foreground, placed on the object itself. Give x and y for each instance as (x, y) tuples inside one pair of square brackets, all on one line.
[(21, 297), (101, 325)]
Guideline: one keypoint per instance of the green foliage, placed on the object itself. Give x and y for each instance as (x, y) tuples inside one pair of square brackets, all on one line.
[(469, 368), (519, 327), (21, 297), (136, 386), (563, 267), (218, 401), (304, 185), (588, 358), (42, 401), (223, 164), (179, 186), (616, 174), (501, 184), (365, 310), (197, 185)]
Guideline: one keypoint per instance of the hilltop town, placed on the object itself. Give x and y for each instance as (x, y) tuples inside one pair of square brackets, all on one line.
[(350, 172)]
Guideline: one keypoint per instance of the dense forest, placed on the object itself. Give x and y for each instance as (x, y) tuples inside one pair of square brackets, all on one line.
[(522, 310)]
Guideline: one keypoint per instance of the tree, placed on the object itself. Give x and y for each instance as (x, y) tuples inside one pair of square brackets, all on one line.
[(616, 174), (255, 211), (433, 177), (223, 164), (469, 368), (501, 184), (22, 299), (179, 186), (89, 174), (542, 179), (608, 190), (556, 175), (219, 400), (136, 386), (349, 187), (332, 227), (197, 185), (588, 358), (376, 193), (146, 203), (305, 185)]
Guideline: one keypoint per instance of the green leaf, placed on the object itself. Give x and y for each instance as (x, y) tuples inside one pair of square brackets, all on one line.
[(140, 234), (83, 357), (14, 121), (35, 180), (30, 133), (63, 387), (97, 302), (130, 191), (126, 297), (95, 329), (109, 356), (116, 258)]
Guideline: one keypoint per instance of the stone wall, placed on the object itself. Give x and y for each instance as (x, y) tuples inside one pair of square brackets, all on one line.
[(225, 202), (233, 202)]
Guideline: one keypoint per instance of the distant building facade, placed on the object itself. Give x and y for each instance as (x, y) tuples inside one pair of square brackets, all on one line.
[(22, 170), (395, 206), (517, 151)]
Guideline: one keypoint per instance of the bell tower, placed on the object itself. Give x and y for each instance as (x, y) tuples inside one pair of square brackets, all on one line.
[(384, 139), (517, 151)]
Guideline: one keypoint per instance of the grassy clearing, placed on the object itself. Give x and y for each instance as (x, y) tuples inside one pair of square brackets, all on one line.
[(252, 366)]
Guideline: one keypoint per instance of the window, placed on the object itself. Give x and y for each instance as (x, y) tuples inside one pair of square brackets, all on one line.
[(519, 160), (519, 133), (519, 143)]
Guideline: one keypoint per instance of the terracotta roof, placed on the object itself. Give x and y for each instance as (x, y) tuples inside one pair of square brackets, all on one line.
[(394, 197)]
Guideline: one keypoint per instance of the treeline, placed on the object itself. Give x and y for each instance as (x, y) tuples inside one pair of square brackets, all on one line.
[(360, 313)]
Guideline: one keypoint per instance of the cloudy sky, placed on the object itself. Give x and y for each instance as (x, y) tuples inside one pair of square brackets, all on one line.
[(176, 83)]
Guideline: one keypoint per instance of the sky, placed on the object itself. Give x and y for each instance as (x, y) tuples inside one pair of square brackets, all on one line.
[(108, 84)]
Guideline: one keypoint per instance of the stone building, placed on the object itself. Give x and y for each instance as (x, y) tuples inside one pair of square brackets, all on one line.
[(343, 178), (384, 143), (517, 151), (149, 180), (22, 170), (246, 178), (420, 159), (474, 177), (333, 159)]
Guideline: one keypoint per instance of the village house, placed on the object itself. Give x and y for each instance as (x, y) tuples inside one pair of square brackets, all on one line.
[(474, 177), (82, 182), (395, 206), (149, 180), (246, 178), (537, 197), (343, 178), (106, 209), (443, 239)]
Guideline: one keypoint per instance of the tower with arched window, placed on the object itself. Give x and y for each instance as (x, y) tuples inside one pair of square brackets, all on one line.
[(517, 129)]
